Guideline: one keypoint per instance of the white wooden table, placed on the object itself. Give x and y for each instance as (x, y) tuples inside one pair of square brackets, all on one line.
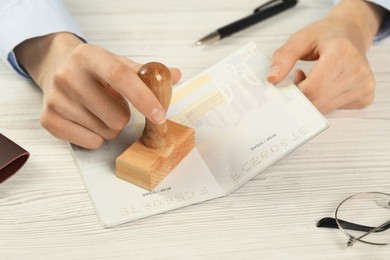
[(45, 212)]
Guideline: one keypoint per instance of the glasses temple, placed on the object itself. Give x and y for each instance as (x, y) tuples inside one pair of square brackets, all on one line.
[(331, 223), (352, 239)]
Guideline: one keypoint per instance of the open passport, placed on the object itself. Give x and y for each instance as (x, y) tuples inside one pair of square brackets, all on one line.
[(243, 124)]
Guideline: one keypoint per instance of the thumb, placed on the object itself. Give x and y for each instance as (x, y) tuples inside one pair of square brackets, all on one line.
[(284, 58)]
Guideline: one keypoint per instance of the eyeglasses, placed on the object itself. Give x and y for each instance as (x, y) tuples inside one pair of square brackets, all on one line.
[(363, 217)]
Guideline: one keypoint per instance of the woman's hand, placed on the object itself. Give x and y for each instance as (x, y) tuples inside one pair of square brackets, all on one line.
[(341, 77), (86, 88)]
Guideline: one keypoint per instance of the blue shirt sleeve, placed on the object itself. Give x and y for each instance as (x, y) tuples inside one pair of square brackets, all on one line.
[(26, 19), (384, 30)]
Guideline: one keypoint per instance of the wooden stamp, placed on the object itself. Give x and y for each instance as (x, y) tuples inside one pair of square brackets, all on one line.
[(161, 148)]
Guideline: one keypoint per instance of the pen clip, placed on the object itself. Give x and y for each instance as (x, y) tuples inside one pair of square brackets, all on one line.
[(270, 4), (275, 3)]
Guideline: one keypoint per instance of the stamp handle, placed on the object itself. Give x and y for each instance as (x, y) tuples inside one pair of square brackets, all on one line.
[(158, 79)]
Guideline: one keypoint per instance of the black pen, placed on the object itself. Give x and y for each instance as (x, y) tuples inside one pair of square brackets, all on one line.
[(261, 13)]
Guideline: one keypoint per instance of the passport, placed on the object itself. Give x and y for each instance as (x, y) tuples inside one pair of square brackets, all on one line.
[(243, 124)]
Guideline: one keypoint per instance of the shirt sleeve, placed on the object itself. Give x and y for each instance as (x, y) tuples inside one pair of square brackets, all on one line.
[(26, 19), (384, 30)]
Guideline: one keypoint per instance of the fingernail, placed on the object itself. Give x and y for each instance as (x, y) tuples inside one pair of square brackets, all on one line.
[(158, 116), (273, 71)]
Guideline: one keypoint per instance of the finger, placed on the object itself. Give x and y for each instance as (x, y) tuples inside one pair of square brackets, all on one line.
[(333, 79), (284, 58), (104, 102), (70, 131), (77, 113), (175, 72), (299, 76), (349, 93), (323, 81), (125, 81), (361, 103), (347, 100)]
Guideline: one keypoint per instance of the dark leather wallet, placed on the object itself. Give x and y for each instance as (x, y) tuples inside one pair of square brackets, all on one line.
[(12, 158)]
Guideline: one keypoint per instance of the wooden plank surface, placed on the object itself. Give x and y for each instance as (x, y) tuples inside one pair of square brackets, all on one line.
[(45, 212)]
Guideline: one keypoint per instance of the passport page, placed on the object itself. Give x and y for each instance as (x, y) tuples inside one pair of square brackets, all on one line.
[(243, 124)]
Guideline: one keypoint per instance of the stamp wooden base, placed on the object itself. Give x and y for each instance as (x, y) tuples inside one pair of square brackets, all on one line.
[(147, 167)]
